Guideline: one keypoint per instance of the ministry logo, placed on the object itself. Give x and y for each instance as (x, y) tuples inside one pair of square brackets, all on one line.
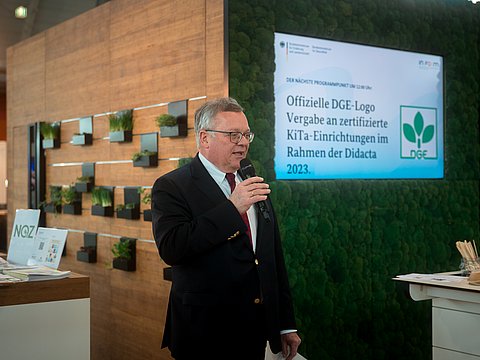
[(418, 133)]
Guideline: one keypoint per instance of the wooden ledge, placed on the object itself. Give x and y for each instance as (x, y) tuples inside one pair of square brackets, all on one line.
[(74, 287)]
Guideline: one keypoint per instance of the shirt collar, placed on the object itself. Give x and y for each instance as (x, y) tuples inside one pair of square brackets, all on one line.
[(215, 173)]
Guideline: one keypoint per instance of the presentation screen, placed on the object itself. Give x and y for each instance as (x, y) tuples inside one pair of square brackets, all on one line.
[(348, 111)]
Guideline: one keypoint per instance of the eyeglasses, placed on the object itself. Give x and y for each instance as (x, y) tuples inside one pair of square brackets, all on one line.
[(236, 136)]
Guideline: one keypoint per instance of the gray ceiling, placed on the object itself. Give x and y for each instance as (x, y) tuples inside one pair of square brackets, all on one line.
[(42, 14)]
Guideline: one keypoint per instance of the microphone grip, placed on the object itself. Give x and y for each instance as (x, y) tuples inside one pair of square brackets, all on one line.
[(247, 171)]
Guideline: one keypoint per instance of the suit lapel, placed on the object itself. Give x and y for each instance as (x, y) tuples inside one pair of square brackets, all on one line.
[(204, 182)]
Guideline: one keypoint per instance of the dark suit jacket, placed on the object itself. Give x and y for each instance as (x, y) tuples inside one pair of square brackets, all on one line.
[(200, 233)]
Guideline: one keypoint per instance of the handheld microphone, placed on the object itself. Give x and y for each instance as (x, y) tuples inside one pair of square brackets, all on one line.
[(247, 171)]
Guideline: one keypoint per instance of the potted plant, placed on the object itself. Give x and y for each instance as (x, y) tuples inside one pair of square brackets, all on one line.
[(85, 134), (84, 184), (130, 211), (102, 203), (146, 200), (121, 126), (145, 158), (88, 252), (51, 135), (82, 139), (124, 254), (72, 203), (131, 199), (55, 204), (169, 126)]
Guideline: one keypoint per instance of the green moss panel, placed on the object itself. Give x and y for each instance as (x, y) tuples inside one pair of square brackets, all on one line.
[(344, 240)]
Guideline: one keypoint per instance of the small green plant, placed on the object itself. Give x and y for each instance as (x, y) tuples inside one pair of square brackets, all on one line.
[(69, 194), (50, 131), (54, 198), (101, 197), (128, 206), (56, 195), (166, 120), (121, 121), (121, 250), (138, 155), (84, 179), (146, 196)]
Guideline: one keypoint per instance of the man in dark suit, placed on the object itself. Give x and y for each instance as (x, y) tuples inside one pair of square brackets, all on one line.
[(230, 291)]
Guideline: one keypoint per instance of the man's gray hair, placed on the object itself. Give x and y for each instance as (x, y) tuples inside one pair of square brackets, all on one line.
[(206, 113)]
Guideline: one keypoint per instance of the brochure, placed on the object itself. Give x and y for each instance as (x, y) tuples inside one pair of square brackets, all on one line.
[(23, 235), (36, 273), (48, 247)]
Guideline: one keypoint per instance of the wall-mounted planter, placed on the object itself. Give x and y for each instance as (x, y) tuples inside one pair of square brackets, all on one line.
[(50, 134), (102, 201), (121, 126), (82, 139), (147, 215), (129, 214), (87, 255), (179, 110), (99, 210), (53, 209), (85, 135), (88, 252), (54, 206), (121, 136), (51, 143), (131, 198), (170, 131), (72, 201), (147, 161), (88, 173), (148, 156), (84, 187), (74, 208), (125, 263)]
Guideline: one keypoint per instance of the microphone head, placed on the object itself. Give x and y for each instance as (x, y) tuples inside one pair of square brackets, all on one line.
[(246, 169)]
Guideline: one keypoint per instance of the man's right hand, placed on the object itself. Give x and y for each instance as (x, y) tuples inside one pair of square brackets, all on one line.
[(248, 192)]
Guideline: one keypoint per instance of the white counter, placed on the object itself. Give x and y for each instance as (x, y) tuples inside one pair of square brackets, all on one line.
[(455, 316)]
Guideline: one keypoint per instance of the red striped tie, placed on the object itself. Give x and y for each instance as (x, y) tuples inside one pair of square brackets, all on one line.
[(231, 181)]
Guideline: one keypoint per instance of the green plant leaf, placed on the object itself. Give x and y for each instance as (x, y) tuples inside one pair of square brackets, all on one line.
[(409, 132), (418, 123), (428, 134), (166, 120)]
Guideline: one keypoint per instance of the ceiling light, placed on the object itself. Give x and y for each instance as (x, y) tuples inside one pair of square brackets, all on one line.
[(21, 12)]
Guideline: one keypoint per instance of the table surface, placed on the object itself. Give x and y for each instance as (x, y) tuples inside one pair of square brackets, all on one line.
[(461, 285), (76, 286)]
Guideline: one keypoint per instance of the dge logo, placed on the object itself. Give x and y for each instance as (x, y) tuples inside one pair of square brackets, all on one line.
[(418, 131)]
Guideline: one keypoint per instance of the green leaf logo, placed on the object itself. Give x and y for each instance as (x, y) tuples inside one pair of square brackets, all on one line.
[(417, 133)]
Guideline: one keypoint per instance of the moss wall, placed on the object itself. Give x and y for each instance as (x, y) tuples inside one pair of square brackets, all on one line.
[(344, 240)]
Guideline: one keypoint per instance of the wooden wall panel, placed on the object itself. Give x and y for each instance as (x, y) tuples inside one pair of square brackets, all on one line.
[(19, 170), (151, 57), (77, 63), (216, 65), (26, 82), (121, 55)]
